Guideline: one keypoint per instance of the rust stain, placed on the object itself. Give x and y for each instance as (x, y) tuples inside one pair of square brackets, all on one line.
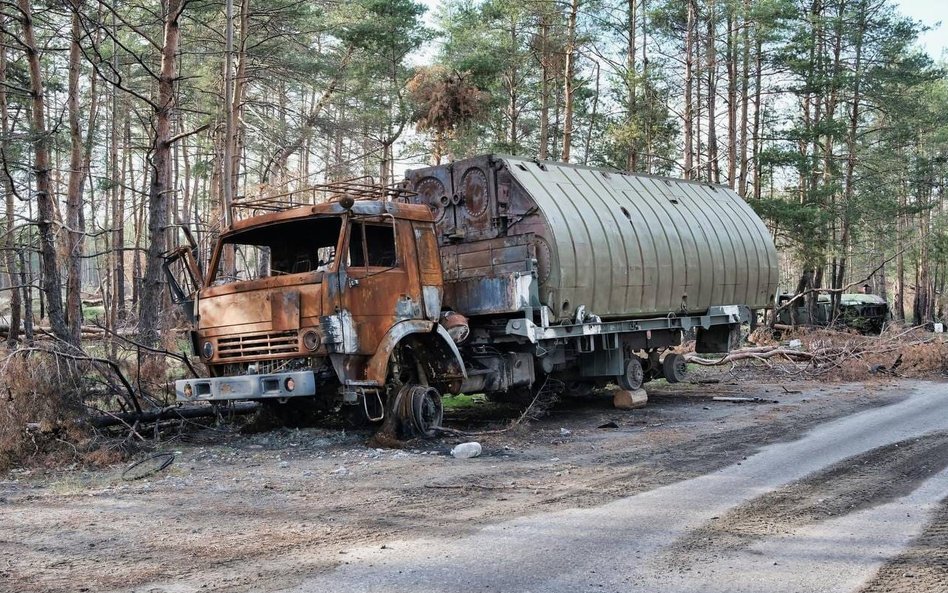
[(285, 310), (274, 317)]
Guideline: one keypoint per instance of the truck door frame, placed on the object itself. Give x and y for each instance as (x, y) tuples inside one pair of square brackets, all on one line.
[(377, 296)]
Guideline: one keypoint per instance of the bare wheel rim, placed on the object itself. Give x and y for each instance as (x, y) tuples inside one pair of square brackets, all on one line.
[(419, 409), (427, 412)]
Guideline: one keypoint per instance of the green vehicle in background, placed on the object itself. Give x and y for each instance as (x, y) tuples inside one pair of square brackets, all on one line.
[(866, 313)]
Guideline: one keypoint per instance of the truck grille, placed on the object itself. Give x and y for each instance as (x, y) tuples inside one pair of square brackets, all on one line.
[(257, 345)]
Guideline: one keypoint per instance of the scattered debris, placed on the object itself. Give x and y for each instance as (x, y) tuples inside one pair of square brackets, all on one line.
[(608, 425), (881, 368), (565, 432), (845, 355), (745, 400), (466, 450), (147, 466)]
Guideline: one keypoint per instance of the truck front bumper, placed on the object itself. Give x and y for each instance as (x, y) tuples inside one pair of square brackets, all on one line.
[(273, 385)]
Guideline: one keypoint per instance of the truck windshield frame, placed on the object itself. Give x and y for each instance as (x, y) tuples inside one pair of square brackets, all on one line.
[(284, 248)]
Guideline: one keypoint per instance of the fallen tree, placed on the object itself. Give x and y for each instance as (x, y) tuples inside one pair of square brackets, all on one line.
[(850, 356), (108, 419)]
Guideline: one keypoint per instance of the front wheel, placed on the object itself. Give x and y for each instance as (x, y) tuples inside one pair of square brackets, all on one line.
[(419, 409)]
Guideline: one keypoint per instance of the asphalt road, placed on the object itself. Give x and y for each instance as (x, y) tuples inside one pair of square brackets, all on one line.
[(822, 513)]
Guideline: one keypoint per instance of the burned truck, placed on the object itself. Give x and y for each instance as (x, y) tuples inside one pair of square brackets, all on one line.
[(496, 275), (863, 312)]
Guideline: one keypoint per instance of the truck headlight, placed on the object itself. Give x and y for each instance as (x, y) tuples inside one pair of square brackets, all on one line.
[(188, 391), (311, 340), (207, 350), (290, 384)]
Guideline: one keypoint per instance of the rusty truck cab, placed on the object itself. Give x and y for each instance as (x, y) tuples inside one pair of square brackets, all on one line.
[(316, 301)]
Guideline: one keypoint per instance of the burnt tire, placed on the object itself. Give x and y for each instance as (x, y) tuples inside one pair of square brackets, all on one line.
[(419, 411), (674, 368)]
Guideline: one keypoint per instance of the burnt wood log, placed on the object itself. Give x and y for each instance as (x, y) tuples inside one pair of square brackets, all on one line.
[(173, 413)]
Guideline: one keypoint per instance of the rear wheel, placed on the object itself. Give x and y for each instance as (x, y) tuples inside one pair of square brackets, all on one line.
[(634, 375), (674, 368)]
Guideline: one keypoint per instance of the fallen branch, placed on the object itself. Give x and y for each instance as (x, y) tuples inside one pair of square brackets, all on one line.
[(171, 413), (825, 351), (760, 353)]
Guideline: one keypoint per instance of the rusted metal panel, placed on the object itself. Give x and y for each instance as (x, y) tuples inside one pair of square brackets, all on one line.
[(616, 243), (346, 308), (285, 310), (488, 257), (493, 294)]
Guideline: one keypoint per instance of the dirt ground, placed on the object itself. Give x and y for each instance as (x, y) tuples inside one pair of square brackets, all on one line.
[(239, 512)]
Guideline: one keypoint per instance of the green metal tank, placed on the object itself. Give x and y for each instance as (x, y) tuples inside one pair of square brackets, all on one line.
[(517, 234)]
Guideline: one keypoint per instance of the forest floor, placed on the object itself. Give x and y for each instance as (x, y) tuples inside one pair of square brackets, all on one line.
[(266, 511)]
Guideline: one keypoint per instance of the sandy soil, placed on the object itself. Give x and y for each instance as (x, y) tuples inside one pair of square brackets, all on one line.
[(259, 512)]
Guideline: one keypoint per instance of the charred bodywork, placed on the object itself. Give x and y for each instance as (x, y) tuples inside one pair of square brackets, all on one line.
[(322, 289), (866, 313), (487, 275)]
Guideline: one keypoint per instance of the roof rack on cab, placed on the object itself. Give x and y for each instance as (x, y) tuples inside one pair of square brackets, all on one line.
[(356, 188)]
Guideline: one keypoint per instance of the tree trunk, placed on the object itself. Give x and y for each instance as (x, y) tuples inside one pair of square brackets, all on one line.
[(689, 75), (632, 158), (731, 97), (745, 99), (924, 303), (512, 78), (26, 275), (543, 152), (75, 219), (851, 158), (569, 82), (116, 135), (649, 98), (152, 297), (45, 207), (592, 117), (899, 296), (9, 241), (711, 57), (227, 158), (756, 143)]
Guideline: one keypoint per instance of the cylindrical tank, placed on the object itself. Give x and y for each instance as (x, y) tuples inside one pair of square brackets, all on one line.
[(616, 244)]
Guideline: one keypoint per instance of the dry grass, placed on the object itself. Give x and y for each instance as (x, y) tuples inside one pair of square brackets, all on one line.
[(899, 351), (843, 355), (40, 410)]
